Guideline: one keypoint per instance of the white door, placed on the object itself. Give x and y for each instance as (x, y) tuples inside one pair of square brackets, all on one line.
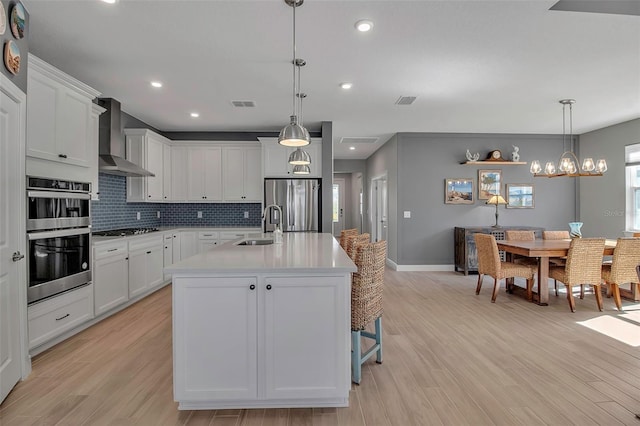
[(338, 206), (379, 209), (12, 233)]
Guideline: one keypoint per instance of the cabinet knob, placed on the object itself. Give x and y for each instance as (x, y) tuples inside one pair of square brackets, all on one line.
[(62, 155), (149, 196), (268, 286), (126, 258), (252, 287)]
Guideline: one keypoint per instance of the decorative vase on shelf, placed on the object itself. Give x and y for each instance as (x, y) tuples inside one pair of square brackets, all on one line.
[(574, 229)]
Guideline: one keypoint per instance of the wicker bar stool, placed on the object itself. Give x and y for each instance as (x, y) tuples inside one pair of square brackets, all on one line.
[(489, 263), (622, 269), (366, 304), (343, 236), (353, 241), (584, 267)]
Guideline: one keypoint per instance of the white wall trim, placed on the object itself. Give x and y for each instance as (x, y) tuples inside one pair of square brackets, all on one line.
[(419, 268)]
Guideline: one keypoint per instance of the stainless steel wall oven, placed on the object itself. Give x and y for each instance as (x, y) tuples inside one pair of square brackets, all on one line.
[(58, 236)]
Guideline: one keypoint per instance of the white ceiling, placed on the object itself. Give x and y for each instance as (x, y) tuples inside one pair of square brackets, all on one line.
[(474, 66)]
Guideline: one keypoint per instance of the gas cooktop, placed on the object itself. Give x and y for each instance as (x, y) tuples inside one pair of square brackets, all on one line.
[(124, 232)]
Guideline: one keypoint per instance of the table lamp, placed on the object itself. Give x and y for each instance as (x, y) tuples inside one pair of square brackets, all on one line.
[(497, 200)]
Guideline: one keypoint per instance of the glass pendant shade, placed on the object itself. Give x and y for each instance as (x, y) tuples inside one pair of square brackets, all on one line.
[(301, 170), (550, 168), (293, 134), (588, 165), (299, 158), (535, 167), (601, 166)]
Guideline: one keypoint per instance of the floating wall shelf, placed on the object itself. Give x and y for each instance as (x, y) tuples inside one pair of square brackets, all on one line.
[(501, 163)]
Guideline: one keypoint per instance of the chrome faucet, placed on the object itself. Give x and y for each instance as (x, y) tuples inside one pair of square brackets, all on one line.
[(264, 214)]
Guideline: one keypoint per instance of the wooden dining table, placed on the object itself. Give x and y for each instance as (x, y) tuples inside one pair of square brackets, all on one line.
[(543, 250)]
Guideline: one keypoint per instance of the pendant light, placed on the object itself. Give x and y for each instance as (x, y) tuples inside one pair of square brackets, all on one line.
[(568, 162), (293, 134), (301, 170), (300, 157)]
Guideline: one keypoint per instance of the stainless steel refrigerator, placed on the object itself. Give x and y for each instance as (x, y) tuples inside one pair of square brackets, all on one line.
[(299, 200)]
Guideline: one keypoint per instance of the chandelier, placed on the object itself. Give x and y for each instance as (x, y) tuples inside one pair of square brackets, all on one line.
[(568, 162), (294, 134)]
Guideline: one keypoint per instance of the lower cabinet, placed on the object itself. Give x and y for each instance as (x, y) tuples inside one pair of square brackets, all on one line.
[(188, 244), (167, 247), (261, 341), (146, 257), (52, 317), (110, 276), (207, 241)]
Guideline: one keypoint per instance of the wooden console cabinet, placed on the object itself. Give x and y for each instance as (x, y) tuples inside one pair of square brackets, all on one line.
[(466, 256)]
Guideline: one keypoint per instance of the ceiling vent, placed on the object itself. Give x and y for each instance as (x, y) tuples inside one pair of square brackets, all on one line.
[(355, 140), (405, 100), (243, 104)]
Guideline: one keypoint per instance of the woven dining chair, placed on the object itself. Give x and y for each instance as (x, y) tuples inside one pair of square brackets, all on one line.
[(521, 235), (636, 234), (366, 304), (489, 263), (353, 241), (559, 261), (343, 236), (626, 257), (583, 267)]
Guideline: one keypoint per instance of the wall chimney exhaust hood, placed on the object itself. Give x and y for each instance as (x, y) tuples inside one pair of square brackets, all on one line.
[(112, 143)]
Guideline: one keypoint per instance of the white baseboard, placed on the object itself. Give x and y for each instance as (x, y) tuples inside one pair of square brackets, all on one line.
[(416, 268)]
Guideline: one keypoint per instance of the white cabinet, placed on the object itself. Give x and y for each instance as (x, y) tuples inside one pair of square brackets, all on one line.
[(204, 174), (96, 110), (179, 175), (176, 256), (188, 244), (261, 341), (167, 175), (54, 316), (215, 339), (59, 114), (146, 257), (207, 240), (110, 276), (147, 149), (241, 174), (276, 159), (168, 252)]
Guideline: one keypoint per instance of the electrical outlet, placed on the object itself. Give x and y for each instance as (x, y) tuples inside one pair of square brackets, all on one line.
[(158, 215), (199, 215), (246, 215), (407, 215), (137, 215)]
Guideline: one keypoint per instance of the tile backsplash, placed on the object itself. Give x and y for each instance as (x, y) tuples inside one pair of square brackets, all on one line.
[(113, 212)]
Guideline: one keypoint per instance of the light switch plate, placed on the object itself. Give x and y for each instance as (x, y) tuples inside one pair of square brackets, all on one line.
[(246, 215), (407, 215), (158, 214), (199, 215), (137, 215)]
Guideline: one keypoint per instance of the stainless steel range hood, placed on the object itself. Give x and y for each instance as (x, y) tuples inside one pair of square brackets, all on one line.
[(112, 143)]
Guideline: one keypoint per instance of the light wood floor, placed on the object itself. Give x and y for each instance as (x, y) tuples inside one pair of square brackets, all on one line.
[(451, 358)]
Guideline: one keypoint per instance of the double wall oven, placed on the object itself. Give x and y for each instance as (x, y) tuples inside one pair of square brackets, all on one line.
[(58, 236)]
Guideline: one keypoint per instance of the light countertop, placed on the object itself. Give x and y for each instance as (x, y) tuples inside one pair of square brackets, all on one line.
[(96, 240), (299, 252)]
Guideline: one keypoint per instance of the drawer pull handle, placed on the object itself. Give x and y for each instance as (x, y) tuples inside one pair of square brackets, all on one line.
[(62, 317), (149, 252), (62, 155), (268, 286), (112, 249), (252, 287)]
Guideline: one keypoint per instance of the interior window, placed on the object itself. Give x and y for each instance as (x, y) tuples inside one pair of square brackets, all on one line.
[(632, 157)]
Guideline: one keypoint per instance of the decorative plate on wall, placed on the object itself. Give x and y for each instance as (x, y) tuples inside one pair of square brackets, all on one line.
[(12, 57), (18, 20), (3, 19)]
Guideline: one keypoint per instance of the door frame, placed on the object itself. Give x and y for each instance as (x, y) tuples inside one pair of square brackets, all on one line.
[(12, 91), (341, 182), (373, 205)]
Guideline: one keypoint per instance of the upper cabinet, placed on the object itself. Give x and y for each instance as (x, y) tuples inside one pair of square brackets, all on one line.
[(147, 149), (242, 173), (276, 159), (59, 114), (204, 173)]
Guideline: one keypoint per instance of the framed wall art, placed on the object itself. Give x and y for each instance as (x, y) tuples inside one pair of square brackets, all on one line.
[(459, 191), (519, 196), (489, 183)]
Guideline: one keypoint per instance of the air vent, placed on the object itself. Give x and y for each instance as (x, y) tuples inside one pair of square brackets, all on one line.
[(243, 104), (355, 140), (405, 100)]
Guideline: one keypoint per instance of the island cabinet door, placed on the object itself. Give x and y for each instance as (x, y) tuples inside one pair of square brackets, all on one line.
[(306, 337), (215, 338)]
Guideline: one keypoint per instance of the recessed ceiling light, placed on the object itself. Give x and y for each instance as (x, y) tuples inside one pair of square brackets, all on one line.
[(195, 114), (364, 25), (352, 148), (346, 86), (110, 1), (156, 84)]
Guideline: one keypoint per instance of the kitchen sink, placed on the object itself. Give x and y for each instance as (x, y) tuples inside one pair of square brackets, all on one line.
[(255, 242)]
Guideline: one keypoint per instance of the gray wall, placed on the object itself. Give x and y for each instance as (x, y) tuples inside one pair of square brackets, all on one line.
[(417, 165), (19, 79), (602, 199)]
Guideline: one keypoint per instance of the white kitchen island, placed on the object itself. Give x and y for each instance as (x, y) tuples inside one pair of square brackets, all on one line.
[(263, 326)]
